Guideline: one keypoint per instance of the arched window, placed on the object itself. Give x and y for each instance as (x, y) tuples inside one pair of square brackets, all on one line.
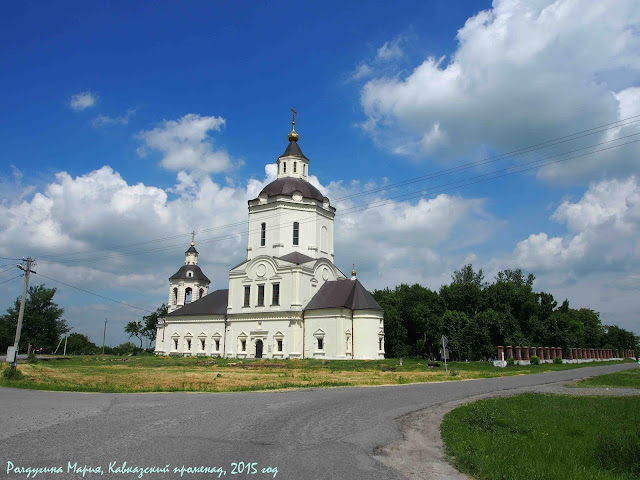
[(296, 233), (295, 167), (201, 293), (175, 296), (284, 167), (304, 169), (187, 295), (263, 234)]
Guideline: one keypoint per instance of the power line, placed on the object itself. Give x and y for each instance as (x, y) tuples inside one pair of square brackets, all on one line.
[(511, 170), (96, 294), (556, 141), (13, 278)]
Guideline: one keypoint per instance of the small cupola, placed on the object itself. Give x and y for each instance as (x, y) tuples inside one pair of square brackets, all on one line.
[(293, 163), (191, 255)]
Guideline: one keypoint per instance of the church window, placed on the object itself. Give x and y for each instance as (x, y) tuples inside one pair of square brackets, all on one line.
[(188, 344), (175, 343), (295, 167), (275, 298), (187, 295), (201, 293), (381, 343), (202, 344), (284, 167), (324, 239), (247, 295), (243, 345), (279, 345), (217, 342), (304, 169), (296, 233), (189, 274), (320, 343), (260, 295), (175, 296), (263, 234)]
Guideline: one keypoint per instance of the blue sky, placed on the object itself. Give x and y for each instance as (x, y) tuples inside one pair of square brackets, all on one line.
[(123, 123)]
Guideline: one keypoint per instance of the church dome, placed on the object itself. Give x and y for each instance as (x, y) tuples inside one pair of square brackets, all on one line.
[(288, 185)]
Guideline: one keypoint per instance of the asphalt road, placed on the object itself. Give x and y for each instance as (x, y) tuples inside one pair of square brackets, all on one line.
[(304, 434)]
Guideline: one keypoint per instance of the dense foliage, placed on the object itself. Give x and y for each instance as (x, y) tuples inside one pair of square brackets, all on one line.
[(477, 316), (42, 325), (146, 327)]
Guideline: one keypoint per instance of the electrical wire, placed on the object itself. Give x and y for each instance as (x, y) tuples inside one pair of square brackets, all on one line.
[(553, 142), (17, 276), (358, 208), (96, 294)]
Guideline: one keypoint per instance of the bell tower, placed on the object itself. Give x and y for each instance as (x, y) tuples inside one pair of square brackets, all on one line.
[(189, 283)]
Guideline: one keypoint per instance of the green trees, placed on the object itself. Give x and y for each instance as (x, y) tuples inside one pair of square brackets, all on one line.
[(78, 344), (146, 327), (476, 316), (42, 325)]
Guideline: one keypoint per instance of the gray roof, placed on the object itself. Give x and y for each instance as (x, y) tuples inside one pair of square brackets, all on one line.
[(192, 249), (296, 257), (343, 294), (293, 150), (288, 185), (197, 274), (214, 303)]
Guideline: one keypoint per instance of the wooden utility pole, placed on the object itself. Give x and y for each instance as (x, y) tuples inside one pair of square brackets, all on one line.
[(25, 284)]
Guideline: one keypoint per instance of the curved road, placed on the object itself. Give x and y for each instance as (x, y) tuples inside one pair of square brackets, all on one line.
[(304, 434)]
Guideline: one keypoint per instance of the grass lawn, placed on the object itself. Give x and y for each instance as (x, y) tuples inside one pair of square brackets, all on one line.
[(536, 436), (624, 379), (147, 373)]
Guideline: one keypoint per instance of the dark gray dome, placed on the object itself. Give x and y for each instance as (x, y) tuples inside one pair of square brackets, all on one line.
[(288, 185), (196, 274)]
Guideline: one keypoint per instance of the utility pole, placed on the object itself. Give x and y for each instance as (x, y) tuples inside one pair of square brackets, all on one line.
[(25, 284), (104, 337)]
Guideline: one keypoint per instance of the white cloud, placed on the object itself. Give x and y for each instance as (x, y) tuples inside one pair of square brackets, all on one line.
[(520, 75), (362, 71), (186, 144), (103, 120), (390, 50), (82, 101), (603, 228)]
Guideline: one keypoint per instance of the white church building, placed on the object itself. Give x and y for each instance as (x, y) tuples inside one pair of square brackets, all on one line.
[(287, 299)]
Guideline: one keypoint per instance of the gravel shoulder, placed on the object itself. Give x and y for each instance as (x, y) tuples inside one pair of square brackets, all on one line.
[(420, 455)]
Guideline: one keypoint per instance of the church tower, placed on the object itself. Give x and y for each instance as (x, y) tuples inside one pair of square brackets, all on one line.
[(189, 283), (290, 215)]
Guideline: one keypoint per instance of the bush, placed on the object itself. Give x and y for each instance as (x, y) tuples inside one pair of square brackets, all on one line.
[(534, 360), (32, 358), (557, 360), (511, 361)]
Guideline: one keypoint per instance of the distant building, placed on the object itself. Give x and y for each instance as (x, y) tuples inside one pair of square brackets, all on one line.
[(287, 299)]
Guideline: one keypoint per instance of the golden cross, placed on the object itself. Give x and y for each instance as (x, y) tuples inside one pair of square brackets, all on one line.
[(294, 114), (193, 236)]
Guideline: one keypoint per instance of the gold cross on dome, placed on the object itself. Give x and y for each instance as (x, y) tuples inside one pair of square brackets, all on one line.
[(294, 114), (193, 237)]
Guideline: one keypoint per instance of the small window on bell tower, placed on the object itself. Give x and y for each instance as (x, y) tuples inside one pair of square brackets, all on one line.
[(284, 167), (295, 167)]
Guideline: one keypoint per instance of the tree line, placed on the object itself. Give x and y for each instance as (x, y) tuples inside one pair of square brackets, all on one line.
[(476, 316)]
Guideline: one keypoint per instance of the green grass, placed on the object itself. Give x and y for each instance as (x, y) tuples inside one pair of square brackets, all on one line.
[(536, 436), (147, 373), (624, 379)]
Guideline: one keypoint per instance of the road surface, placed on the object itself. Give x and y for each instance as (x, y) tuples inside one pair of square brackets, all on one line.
[(303, 434)]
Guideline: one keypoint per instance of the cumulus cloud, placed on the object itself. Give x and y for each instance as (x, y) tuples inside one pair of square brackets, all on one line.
[(82, 101), (520, 75), (186, 144), (603, 227), (104, 120)]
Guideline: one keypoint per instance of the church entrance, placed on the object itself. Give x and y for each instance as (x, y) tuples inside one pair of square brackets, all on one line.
[(259, 349)]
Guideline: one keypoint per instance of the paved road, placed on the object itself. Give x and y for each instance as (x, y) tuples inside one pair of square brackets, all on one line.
[(305, 434)]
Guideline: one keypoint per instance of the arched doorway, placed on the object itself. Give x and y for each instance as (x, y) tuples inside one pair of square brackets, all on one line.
[(259, 349)]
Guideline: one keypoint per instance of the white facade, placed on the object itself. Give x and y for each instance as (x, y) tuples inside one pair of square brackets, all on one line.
[(264, 314)]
